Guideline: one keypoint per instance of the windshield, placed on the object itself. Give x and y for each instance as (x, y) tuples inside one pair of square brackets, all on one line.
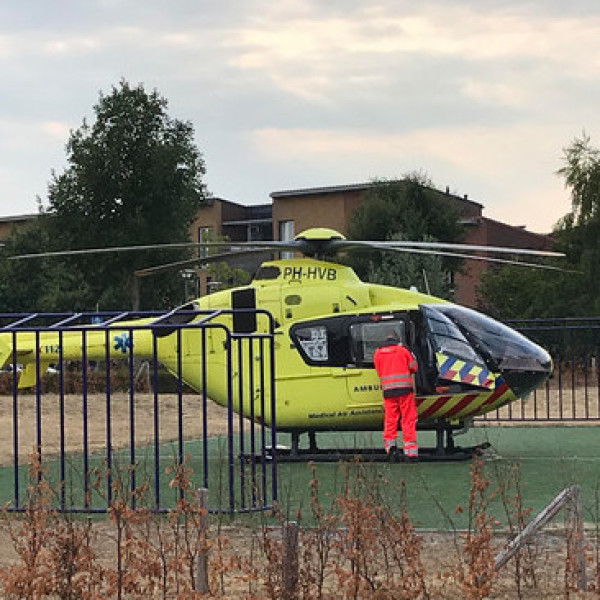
[(447, 338), (500, 345)]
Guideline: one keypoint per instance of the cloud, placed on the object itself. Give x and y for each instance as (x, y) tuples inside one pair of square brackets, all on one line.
[(493, 165), (313, 56), (481, 95)]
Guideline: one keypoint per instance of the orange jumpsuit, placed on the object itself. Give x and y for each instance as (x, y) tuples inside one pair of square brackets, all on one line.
[(395, 366)]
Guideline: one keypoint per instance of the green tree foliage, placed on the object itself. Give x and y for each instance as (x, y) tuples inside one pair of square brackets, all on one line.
[(133, 177), (582, 177), (406, 209), (26, 285), (514, 292), (425, 272), (221, 274), (228, 277)]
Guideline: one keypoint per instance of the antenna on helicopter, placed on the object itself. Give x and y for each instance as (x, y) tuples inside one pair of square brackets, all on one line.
[(426, 282)]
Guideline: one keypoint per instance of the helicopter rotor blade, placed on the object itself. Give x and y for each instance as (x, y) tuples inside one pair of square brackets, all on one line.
[(318, 243), (101, 250), (493, 259), (309, 246), (258, 246), (149, 271), (393, 245)]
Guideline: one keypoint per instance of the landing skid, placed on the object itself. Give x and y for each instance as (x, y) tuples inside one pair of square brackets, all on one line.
[(444, 451), (373, 455)]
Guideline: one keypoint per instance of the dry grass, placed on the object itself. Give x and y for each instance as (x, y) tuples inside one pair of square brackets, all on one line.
[(359, 550), (96, 421)]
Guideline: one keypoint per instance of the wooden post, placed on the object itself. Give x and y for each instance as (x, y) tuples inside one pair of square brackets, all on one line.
[(202, 544), (575, 536), (290, 560), (570, 499)]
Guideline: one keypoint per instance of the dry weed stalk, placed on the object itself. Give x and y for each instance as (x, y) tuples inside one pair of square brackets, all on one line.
[(401, 548), (56, 556), (511, 495), (358, 542), (477, 570), (154, 555), (360, 548), (316, 544)]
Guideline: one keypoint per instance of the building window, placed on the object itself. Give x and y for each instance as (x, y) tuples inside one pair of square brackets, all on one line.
[(286, 234), (205, 234)]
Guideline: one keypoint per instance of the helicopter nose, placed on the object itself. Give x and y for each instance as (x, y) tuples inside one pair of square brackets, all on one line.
[(526, 369), (523, 364), (523, 381)]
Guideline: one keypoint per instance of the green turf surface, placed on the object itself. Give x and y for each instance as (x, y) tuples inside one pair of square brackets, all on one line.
[(534, 462)]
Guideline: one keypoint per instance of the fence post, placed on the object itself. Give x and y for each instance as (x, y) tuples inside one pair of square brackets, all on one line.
[(575, 543), (290, 560), (570, 500), (202, 544)]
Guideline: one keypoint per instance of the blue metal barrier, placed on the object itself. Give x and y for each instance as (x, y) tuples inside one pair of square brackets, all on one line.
[(94, 383)]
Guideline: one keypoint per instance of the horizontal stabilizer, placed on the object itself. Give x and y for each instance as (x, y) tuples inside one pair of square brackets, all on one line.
[(28, 377), (5, 353)]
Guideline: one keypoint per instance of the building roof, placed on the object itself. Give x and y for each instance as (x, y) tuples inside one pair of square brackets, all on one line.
[(18, 218), (545, 238), (332, 189), (353, 187)]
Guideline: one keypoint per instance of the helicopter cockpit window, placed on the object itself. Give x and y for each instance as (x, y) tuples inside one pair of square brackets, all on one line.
[(504, 347), (368, 336), (447, 338), (313, 341), (267, 272)]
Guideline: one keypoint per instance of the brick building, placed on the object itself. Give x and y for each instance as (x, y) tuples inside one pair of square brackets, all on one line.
[(8, 224), (293, 211)]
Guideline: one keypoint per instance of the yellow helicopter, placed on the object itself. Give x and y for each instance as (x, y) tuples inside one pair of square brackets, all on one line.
[(326, 324)]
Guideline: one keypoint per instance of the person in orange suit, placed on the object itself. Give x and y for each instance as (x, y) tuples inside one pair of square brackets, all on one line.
[(395, 365)]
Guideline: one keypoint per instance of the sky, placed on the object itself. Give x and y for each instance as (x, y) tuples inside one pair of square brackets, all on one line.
[(481, 96)]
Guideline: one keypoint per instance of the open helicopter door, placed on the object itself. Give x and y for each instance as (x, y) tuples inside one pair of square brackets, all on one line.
[(366, 334), (457, 361)]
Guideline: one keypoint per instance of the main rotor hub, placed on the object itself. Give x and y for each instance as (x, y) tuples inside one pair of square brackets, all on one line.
[(316, 242)]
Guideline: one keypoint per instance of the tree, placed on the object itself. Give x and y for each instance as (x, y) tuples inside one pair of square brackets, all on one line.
[(512, 292), (582, 176), (425, 272), (134, 177), (409, 209), (227, 276), (27, 285)]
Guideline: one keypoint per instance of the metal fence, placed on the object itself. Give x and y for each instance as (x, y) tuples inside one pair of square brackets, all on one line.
[(572, 394), (106, 421)]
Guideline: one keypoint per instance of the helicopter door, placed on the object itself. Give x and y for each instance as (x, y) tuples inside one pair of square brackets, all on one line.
[(362, 384), (457, 360), (367, 336)]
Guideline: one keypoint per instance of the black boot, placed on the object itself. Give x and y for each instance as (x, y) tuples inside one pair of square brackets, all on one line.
[(394, 455)]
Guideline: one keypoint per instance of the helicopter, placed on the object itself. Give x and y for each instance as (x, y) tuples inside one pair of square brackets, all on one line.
[(327, 323)]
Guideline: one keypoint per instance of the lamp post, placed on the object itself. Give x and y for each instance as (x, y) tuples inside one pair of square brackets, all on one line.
[(189, 277)]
